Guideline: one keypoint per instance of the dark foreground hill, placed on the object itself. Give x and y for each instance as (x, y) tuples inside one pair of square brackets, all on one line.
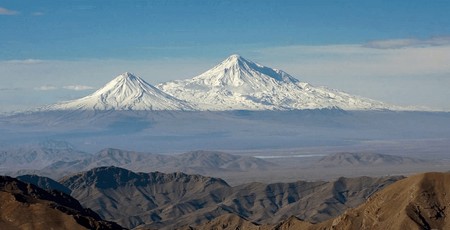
[(156, 200), (25, 206), (167, 201)]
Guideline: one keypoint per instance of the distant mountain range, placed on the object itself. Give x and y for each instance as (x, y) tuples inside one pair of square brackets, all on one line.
[(234, 84), (37, 156), (344, 159), (65, 160)]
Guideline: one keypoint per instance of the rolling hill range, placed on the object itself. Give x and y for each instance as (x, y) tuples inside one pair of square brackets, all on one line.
[(346, 159), (197, 162), (37, 156)]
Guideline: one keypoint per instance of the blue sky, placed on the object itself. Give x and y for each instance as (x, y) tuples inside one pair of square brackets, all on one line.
[(386, 50)]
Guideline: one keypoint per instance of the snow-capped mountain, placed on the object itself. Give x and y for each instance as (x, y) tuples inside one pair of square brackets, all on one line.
[(240, 84), (125, 92)]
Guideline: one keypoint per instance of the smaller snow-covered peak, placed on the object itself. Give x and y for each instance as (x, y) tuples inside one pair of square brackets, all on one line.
[(125, 92)]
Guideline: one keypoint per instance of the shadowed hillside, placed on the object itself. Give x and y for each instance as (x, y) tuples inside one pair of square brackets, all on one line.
[(417, 202), (25, 206)]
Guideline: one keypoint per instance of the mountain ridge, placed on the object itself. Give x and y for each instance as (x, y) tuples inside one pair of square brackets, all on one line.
[(234, 84), (173, 200)]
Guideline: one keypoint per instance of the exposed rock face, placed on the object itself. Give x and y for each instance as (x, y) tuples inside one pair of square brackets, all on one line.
[(26, 206)]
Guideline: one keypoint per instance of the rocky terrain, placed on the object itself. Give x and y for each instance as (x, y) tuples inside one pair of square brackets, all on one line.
[(25, 206), (169, 200), (181, 201), (416, 202)]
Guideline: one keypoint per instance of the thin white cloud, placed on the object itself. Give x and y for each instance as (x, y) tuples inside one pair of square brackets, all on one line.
[(46, 88), (9, 89), (38, 13), (78, 87), (25, 61), (412, 42), (413, 75), (358, 60), (4, 11)]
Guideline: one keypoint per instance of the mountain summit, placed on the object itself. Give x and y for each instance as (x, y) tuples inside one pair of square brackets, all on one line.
[(125, 92), (237, 83), (237, 71)]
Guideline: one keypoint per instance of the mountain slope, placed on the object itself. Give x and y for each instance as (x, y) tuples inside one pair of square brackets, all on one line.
[(153, 199), (417, 202), (171, 200), (25, 206), (44, 183), (240, 84), (125, 92)]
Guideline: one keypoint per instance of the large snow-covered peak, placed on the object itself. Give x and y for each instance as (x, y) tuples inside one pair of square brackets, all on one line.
[(125, 92), (237, 71), (238, 83)]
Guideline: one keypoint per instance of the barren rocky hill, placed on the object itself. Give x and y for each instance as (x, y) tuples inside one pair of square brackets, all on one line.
[(153, 199), (25, 206), (417, 202)]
